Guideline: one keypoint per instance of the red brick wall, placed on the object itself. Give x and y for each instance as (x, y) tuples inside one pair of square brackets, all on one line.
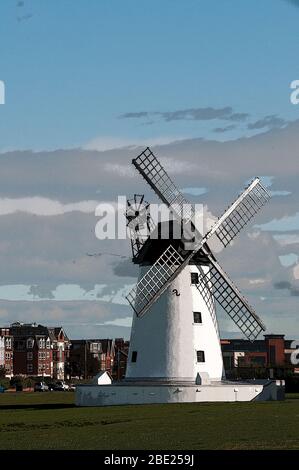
[(278, 345)]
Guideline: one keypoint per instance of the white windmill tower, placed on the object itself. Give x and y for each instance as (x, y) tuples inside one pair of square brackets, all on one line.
[(175, 353)]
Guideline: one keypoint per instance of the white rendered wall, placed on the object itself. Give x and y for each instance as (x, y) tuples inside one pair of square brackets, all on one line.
[(107, 395), (166, 338)]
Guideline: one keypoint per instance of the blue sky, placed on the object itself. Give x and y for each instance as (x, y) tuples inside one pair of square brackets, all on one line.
[(73, 67), (206, 83)]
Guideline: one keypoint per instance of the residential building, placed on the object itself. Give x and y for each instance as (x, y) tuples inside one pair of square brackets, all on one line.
[(273, 352), (35, 350), (121, 348), (2, 352), (90, 356), (6, 351), (60, 352)]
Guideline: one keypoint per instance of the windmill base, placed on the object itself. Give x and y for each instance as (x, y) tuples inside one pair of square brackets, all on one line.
[(136, 393)]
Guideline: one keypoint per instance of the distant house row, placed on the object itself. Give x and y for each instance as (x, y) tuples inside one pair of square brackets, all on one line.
[(41, 351), (272, 352)]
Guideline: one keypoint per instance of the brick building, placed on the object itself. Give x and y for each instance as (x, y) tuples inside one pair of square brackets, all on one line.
[(2, 352), (90, 356), (6, 351), (35, 350), (121, 350), (60, 351), (272, 352)]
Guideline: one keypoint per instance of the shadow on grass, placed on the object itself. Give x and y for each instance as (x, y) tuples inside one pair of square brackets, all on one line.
[(38, 406)]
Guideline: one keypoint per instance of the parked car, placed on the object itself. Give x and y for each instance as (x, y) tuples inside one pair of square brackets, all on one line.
[(72, 387), (51, 386), (61, 386), (41, 387)]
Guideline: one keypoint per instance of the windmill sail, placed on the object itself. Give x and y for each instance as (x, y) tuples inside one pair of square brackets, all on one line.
[(155, 175), (234, 219), (246, 206), (153, 283), (148, 289), (231, 300)]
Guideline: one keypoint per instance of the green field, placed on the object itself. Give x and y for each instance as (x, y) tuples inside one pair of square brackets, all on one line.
[(51, 421)]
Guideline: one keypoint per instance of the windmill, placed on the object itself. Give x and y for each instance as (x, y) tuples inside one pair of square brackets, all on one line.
[(175, 337), (175, 354)]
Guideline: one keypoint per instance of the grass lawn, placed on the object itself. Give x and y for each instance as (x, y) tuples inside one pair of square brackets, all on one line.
[(51, 421)]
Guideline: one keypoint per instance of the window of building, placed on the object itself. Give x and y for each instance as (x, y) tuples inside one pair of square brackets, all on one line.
[(7, 355), (228, 362), (8, 343), (197, 317), (42, 355), (29, 356), (258, 360), (272, 355), (20, 344), (48, 355), (241, 361), (29, 343), (194, 278), (200, 356), (134, 356), (29, 368), (48, 344), (42, 344)]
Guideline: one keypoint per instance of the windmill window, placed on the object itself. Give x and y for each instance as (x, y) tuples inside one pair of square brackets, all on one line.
[(200, 356), (194, 278), (197, 317), (134, 356)]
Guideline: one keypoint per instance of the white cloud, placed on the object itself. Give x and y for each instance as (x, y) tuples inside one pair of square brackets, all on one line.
[(127, 321), (63, 292), (41, 206), (194, 191), (289, 259), (257, 281), (120, 170), (177, 167), (283, 224), (296, 271), (103, 143), (280, 193), (286, 239)]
